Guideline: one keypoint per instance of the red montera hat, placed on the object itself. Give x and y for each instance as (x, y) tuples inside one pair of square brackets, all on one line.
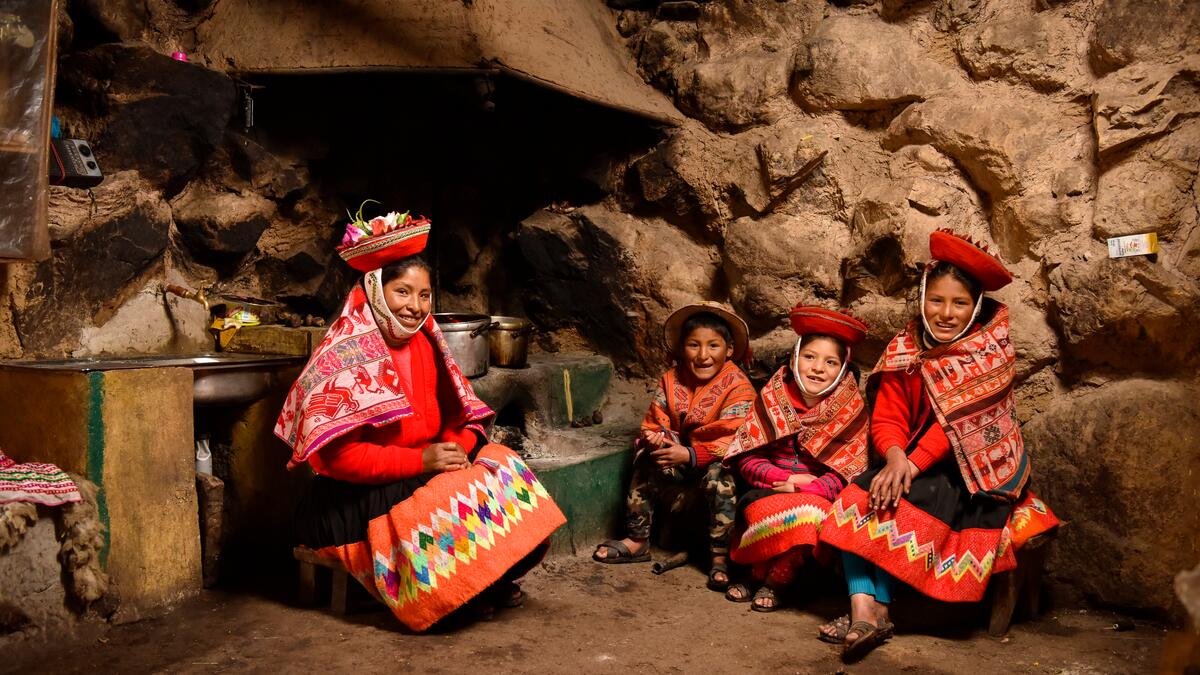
[(972, 258), (809, 319), (369, 245)]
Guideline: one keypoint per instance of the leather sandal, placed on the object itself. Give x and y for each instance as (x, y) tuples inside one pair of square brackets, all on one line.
[(765, 593), (713, 583), (869, 637), (618, 553)]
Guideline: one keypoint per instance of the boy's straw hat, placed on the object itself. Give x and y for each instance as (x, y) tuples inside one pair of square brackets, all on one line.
[(674, 324)]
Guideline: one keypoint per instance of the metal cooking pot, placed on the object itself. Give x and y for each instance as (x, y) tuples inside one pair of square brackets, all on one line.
[(465, 335), (508, 341)]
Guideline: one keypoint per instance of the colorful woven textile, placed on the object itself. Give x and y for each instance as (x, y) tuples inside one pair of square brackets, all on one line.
[(778, 523), (43, 484), (351, 381), (453, 538), (970, 382), (704, 418), (926, 553), (834, 432)]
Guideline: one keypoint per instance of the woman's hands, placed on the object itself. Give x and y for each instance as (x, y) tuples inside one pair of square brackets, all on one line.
[(439, 457), (793, 483), (893, 481), (671, 455)]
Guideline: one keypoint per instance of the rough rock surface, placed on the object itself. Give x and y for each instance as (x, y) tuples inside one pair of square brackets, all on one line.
[(1135, 30), (158, 116), (633, 272), (220, 227), (857, 63), (1131, 315), (1128, 536), (1045, 50)]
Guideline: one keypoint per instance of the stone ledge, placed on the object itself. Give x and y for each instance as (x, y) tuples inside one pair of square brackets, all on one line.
[(540, 389)]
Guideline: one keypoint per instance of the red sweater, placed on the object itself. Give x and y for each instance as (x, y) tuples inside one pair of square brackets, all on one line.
[(392, 452), (901, 407)]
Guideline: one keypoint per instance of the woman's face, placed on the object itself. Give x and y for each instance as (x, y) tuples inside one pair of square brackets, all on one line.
[(818, 363), (409, 296), (948, 307), (705, 352)]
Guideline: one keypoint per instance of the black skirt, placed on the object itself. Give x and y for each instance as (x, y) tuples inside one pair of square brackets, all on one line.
[(335, 512)]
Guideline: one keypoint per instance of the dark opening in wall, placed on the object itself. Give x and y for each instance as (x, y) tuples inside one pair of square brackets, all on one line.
[(476, 152)]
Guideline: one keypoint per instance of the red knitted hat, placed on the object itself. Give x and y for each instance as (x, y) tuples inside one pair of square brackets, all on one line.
[(971, 257), (369, 245), (809, 319)]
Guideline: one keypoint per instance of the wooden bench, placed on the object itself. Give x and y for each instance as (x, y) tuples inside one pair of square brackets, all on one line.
[(340, 578), (1022, 587)]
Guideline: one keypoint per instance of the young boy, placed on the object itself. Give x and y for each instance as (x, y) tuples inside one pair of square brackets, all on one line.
[(699, 405)]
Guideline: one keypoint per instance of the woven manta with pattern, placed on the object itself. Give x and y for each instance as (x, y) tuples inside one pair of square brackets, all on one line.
[(970, 383), (454, 537), (927, 554)]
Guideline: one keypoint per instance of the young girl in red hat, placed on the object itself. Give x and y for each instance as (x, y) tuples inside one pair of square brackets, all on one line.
[(805, 438), (409, 494), (950, 504)]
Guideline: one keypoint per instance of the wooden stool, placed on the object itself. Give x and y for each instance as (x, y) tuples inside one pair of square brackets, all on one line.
[(1022, 586), (309, 562)]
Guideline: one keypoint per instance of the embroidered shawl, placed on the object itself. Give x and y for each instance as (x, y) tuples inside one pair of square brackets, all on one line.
[(704, 418), (834, 432), (970, 383), (351, 381)]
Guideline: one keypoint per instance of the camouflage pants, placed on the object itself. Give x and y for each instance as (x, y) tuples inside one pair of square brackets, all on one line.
[(651, 484)]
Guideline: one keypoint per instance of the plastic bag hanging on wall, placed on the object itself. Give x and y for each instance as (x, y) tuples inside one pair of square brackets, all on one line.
[(27, 58)]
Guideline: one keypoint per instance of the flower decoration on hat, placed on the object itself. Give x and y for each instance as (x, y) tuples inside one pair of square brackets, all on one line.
[(371, 244), (970, 256), (808, 319)]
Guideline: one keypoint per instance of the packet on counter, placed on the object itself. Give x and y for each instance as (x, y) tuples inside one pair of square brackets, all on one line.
[(1134, 244)]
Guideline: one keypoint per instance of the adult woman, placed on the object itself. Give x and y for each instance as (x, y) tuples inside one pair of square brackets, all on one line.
[(805, 437), (939, 515), (409, 495)]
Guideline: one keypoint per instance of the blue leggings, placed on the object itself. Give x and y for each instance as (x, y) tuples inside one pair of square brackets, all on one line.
[(865, 577)]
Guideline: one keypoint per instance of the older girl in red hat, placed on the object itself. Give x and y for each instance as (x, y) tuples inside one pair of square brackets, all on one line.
[(950, 504), (409, 495), (805, 438)]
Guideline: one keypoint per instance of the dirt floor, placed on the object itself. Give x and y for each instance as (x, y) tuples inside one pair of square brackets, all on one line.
[(582, 617)]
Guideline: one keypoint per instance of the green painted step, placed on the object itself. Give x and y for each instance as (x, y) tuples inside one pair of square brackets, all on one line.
[(588, 484)]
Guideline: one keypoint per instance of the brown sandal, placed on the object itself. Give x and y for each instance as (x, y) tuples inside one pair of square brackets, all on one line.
[(765, 593), (869, 637)]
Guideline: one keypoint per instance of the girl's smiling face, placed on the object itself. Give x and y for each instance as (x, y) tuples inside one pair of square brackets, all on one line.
[(948, 307), (818, 363), (409, 297), (705, 352)]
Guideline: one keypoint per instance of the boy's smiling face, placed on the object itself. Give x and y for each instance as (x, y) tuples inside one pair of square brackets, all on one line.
[(705, 352)]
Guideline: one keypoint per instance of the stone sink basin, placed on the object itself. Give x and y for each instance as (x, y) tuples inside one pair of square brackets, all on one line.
[(219, 378)]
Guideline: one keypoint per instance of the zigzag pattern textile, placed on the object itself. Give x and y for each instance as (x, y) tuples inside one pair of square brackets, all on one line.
[(778, 523), (452, 538), (924, 552)]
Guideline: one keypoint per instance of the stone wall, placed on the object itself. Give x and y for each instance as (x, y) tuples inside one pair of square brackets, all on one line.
[(822, 142), (827, 139)]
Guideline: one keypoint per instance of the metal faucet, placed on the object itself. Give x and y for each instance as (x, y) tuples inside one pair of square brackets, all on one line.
[(199, 295)]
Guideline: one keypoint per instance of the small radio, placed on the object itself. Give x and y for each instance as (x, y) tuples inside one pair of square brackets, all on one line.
[(73, 164)]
